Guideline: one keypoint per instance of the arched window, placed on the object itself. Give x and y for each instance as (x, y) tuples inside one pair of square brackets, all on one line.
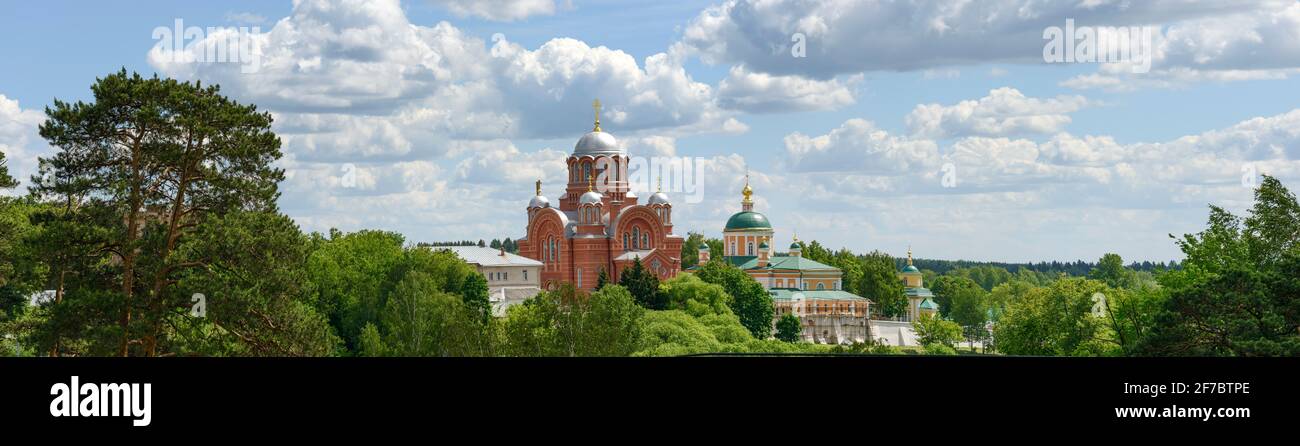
[(821, 286), (733, 247), (586, 172), (749, 249), (627, 241), (636, 236), (645, 240)]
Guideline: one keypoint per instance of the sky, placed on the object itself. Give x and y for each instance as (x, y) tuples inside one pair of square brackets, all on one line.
[(867, 125)]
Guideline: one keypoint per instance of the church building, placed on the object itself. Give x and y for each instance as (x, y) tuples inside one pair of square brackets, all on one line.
[(598, 223), (810, 290)]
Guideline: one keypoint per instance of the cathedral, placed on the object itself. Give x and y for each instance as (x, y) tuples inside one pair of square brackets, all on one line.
[(598, 223)]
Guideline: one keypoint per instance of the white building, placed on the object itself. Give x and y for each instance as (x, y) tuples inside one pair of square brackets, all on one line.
[(511, 278)]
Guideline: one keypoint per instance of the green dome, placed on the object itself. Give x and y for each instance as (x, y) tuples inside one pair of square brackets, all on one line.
[(795, 246), (762, 245), (928, 305), (911, 269), (747, 221)]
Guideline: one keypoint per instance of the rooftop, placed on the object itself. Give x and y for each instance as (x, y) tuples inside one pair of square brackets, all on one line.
[(489, 256)]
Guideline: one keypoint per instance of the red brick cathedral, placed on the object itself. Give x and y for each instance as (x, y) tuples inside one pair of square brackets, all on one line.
[(599, 224)]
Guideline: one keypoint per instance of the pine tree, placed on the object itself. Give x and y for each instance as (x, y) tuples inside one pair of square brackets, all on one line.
[(643, 285), (602, 279)]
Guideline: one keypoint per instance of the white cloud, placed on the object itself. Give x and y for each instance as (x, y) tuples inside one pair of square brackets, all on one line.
[(1004, 112), (765, 93), (20, 140), (858, 146), (851, 36), (1251, 44), (499, 10)]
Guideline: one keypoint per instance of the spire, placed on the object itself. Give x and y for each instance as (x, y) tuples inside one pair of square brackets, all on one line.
[(909, 255), (539, 187), (660, 187), (591, 181), (595, 105)]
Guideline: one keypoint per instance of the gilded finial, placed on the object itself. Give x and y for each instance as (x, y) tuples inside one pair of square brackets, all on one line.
[(747, 191), (595, 105), (909, 255), (539, 187), (591, 182), (660, 187)]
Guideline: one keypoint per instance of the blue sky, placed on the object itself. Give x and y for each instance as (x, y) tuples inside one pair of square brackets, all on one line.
[(1053, 161)]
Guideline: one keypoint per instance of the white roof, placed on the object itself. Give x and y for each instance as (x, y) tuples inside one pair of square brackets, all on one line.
[(489, 256)]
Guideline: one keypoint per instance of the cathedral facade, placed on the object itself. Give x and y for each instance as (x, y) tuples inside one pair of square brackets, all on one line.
[(598, 223)]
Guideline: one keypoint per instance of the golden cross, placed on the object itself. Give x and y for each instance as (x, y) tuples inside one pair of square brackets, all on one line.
[(595, 105)]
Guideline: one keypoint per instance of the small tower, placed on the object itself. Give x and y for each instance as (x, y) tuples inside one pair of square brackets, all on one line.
[(795, 249), (763, 252), (703, 254)]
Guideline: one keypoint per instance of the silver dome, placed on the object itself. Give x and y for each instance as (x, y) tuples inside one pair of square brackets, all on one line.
[(597, 143), (659, 198), (591, 197), (539, 201)]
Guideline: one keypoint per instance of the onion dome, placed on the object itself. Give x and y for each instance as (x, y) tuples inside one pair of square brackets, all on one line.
[(538, 200), (597, 142), (659, 196), (591, 197), (910, 269)]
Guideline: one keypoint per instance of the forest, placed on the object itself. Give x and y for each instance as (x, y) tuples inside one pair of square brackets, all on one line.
[(154, 230)]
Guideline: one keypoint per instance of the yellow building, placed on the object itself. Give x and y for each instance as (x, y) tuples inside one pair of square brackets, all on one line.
[(810, 290), (920, 301)]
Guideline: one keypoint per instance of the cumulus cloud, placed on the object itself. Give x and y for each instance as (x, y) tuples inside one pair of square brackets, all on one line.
[(1195, 40), (365, 58), (1190, 170), (860, 147), (765, 93), (499, 10), (20, 140), (1253, 44), (1004, 112), (849, 36)]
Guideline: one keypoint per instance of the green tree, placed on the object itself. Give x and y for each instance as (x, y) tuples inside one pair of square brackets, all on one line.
[(880, 283), (1237, 292), (1110, 269), (6, 181), (749, 301), (696, 297), (153, 160), (946, 287), (474, 293), (643, 285), (254, 303), (788, 328), (691, 249), (970, 311), (570, 322), (1057, 320), (602, 279), (931, 330)]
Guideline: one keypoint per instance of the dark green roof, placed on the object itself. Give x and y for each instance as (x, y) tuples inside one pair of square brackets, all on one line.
[(795, 245), (747, 221), (917, 292), (928, 304), (789, 294), (911, 269), (780, 262)]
